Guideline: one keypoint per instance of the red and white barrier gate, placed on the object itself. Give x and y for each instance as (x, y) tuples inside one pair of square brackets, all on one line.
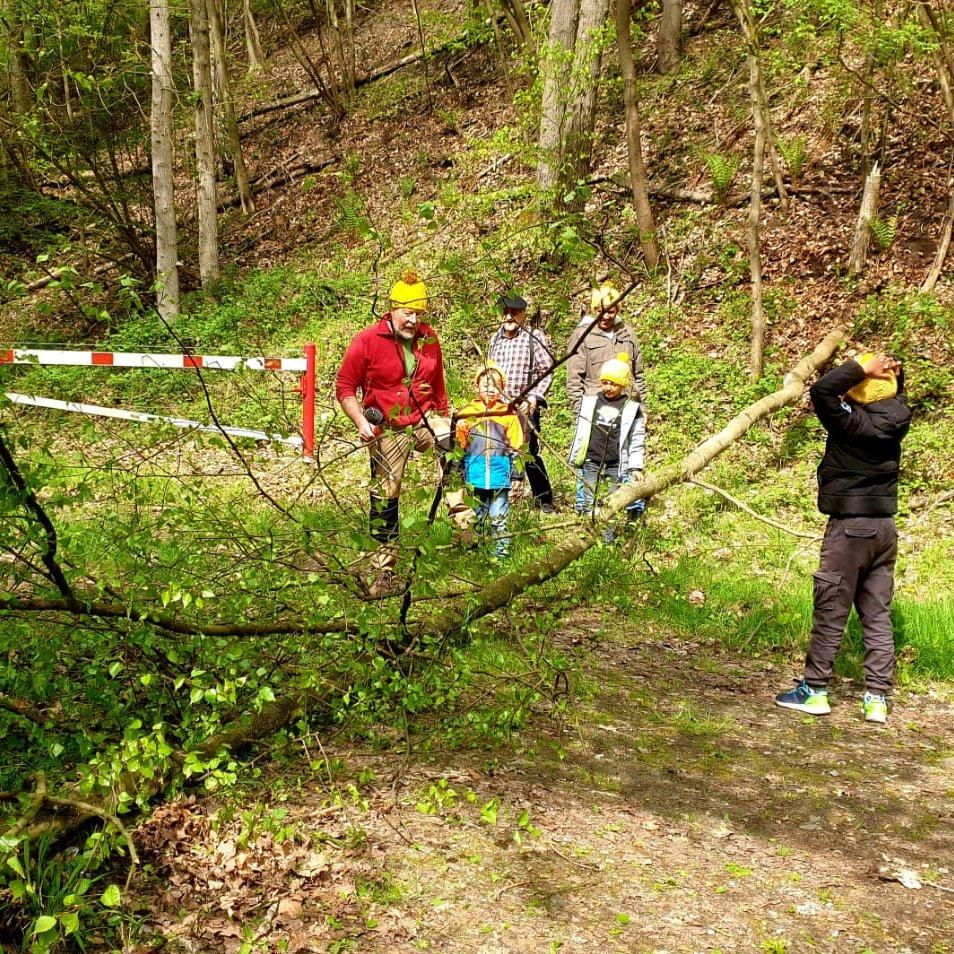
[(211, 362)]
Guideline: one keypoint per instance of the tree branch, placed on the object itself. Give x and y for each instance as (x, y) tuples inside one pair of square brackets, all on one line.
[(744, 507)]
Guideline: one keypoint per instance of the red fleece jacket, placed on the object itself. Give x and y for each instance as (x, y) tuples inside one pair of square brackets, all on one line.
[(374, 364)]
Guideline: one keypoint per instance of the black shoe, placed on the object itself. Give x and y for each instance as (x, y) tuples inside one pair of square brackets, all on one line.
[(547, 508)]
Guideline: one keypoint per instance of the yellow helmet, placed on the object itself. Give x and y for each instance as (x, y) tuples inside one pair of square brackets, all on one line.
[(617, 370), (409, 292), (873, 389)]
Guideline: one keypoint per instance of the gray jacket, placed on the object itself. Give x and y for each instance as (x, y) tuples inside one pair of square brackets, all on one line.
[(583, 368)]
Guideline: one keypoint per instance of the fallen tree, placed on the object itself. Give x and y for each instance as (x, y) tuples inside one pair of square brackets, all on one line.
[(61, 815)]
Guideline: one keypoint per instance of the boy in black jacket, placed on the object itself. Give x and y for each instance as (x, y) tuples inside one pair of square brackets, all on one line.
[(862, 407)]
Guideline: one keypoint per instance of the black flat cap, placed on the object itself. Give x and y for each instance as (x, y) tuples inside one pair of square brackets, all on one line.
[(513, 302)]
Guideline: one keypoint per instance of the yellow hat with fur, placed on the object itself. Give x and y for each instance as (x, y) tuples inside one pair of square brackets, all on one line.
[(617, 370), (873, 389), (603, 297), (409, 292)]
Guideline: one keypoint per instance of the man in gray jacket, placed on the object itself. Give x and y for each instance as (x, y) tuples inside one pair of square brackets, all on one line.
[(604, 341)]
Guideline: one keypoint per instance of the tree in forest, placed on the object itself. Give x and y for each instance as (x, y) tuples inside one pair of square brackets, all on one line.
[(571, 68), (648, 238), (669, 45), (226, 106), (763, 149), (204, 143), (160, 120)]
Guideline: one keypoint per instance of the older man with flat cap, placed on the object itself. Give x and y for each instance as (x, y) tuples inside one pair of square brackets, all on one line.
[(525, 355)]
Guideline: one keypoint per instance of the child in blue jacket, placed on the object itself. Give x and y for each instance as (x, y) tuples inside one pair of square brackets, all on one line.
[(491, 435)]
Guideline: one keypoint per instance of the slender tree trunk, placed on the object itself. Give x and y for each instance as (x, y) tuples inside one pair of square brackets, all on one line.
[(746, 16), (339, 44), (223, 90), (752, 231), (867, 212), (167, 274), (204, 144), (519, 23), (944, 243), (868, 151), (557, 59), (648, 238), (253, 41), (943, 59), (669, 47), (581, 116), (19, 84)]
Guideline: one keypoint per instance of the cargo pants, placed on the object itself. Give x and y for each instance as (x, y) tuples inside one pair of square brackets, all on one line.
[(856, 567)]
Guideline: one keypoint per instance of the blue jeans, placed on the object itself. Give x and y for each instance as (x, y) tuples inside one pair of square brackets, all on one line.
[(591, 475), (493, 506)]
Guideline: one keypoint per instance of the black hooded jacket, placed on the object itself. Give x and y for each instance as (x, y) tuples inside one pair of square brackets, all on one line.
[(858, 476)]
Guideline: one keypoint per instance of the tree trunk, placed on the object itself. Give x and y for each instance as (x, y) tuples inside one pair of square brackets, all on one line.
[(648, 239), (868, 210), (167, 274), (204, 144), (519, 23), (669, 47), (581, 115), (869, 96), (556, 62), (253, 41), (20, 91), (943, 245), (339, 42), (223, 90), (746, 16), (752, 236), (943, 60)]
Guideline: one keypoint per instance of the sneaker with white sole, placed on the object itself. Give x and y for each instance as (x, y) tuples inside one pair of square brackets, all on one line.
[(875, 707), (805, 698)]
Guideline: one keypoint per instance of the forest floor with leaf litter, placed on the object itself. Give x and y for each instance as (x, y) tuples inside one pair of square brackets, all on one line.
[(675, 809)]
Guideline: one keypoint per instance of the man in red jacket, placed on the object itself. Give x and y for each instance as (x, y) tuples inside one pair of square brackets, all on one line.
[(398, 367)]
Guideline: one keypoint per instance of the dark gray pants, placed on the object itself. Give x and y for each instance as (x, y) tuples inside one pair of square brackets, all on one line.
[(856, 566)]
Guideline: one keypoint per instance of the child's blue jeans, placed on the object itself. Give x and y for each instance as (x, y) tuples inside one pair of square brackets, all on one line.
[(591, 475), (493, 506)]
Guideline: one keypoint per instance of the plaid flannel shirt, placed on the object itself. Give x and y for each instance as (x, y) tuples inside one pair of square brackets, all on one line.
[(528, 349)]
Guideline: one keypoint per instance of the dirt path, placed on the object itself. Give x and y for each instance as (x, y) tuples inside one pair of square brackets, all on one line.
[(677, 811)]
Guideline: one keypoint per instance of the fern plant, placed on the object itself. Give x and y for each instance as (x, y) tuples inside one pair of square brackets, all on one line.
[(884, 230), (795, 153), (722, 171)]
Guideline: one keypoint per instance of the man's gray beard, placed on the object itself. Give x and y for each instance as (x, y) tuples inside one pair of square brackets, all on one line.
[(511, 326), (406, 335)]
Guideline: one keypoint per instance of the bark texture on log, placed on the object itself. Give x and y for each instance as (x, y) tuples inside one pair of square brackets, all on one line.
[(867, 212)]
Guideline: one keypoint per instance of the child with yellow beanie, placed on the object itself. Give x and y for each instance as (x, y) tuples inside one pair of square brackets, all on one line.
[(862, 407), (610, 438)]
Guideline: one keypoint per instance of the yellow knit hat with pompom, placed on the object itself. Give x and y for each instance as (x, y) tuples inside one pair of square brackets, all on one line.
[(873, 389), (409, 292), (617, 370)]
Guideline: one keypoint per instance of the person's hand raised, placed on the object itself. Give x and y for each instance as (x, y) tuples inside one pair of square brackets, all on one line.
[(881, 367)]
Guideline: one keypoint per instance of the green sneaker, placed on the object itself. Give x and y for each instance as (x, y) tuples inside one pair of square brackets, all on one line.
[(875, 707), (805, 699)]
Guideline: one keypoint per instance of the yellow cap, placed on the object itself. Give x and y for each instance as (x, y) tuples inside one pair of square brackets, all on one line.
[(617, 370), (409, 292), (873, 389), (603, 297)]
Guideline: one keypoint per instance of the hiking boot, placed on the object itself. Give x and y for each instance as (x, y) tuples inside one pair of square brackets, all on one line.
[(875, 707), (386, 583), (805, 699)]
